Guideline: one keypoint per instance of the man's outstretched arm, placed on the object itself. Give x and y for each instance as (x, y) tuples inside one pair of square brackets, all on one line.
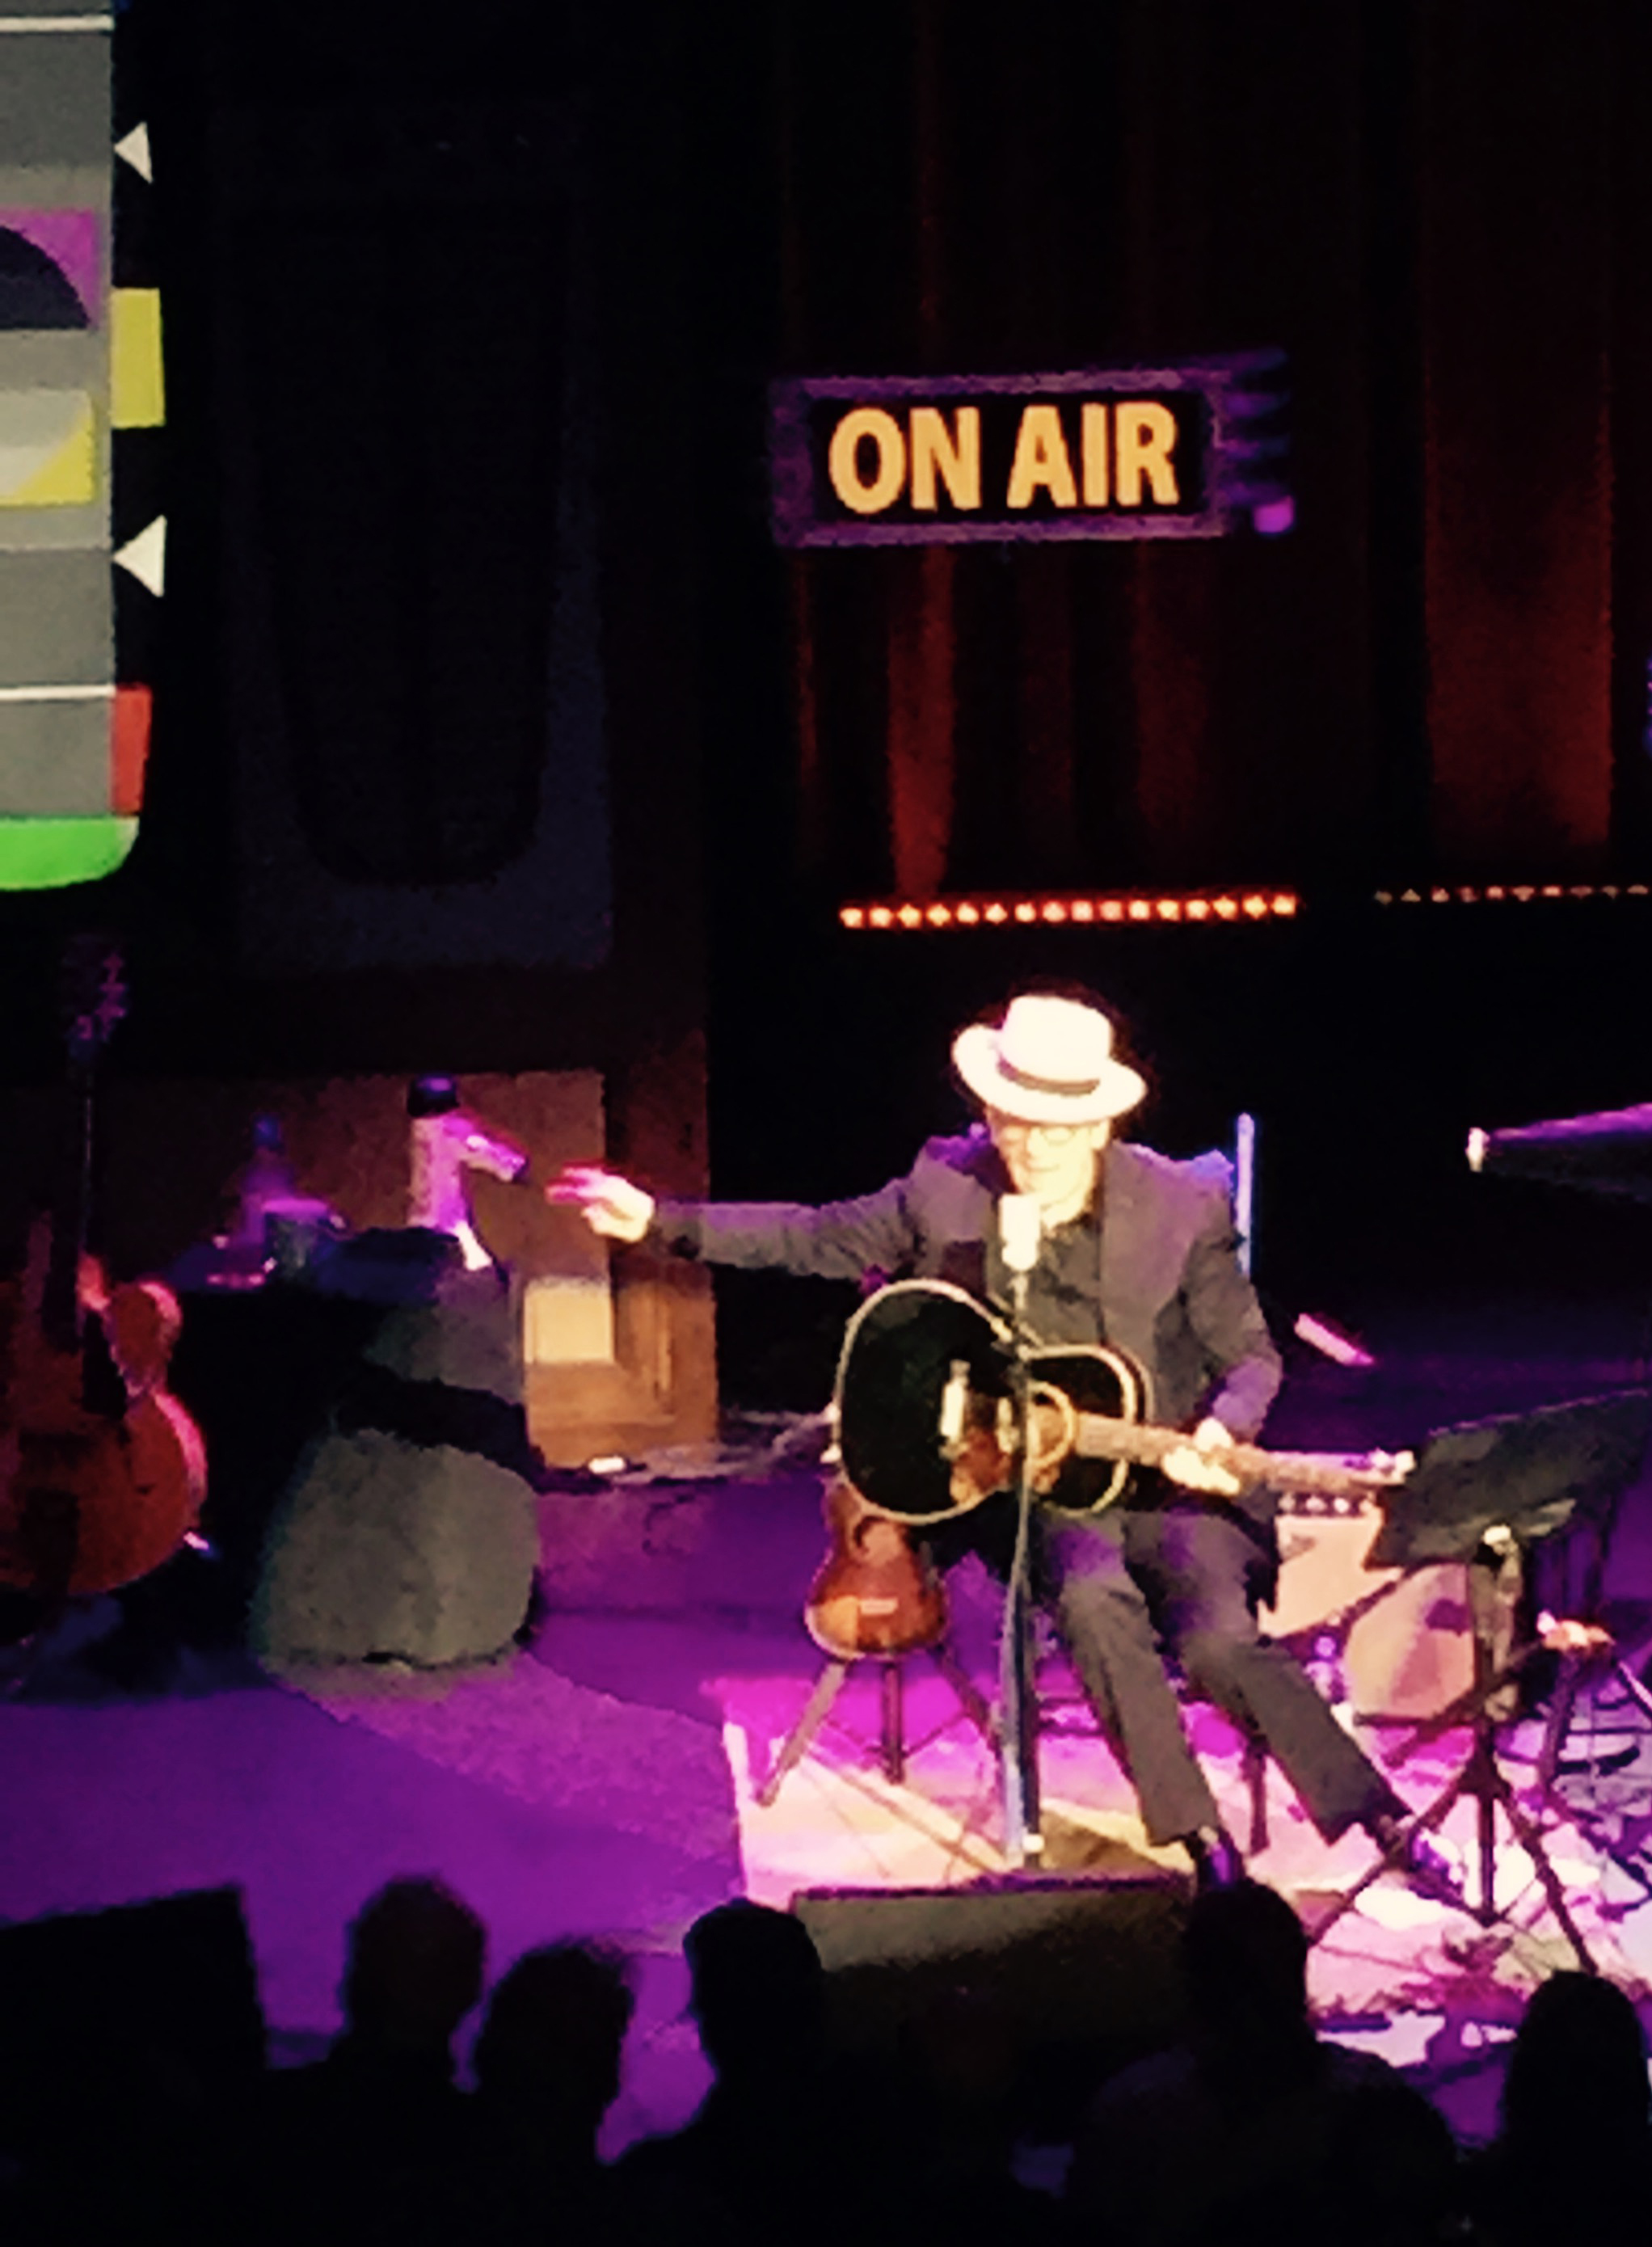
[(836, 1240)]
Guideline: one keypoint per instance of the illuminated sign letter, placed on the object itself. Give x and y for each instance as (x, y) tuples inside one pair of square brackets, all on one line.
[(1041, 458), (842, 461), (956, 452), (1093, 446), (1146, 437), (1091, 453)]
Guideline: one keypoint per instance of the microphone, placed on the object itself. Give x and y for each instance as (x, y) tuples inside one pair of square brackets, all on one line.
[(1021, 1227)]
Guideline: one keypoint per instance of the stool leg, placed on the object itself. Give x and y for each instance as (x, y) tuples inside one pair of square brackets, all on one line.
[(964, 1685), (828, 1685), (892, 1745), (1256, 1778)]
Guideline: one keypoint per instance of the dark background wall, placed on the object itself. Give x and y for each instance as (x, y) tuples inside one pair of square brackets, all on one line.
[(520, 745)]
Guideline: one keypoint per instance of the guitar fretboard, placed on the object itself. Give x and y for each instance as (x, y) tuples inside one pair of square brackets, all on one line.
[(1101, 1437)]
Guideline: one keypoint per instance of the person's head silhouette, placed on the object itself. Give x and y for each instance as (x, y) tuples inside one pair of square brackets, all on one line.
[(758, 1989), (414, 1967), (1245, 1959), (1577, 2074), (551, 2044)]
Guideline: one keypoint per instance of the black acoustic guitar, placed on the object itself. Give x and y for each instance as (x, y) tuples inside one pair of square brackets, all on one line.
[(928, 1428)]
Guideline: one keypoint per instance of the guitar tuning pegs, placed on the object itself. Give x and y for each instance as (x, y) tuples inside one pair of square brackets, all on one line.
[(1392, 1466)]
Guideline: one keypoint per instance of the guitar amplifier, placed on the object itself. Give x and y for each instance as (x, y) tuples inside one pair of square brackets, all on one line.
[(1409, 1649)]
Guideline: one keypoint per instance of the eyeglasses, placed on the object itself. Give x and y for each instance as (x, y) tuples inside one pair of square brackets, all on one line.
[(1053, 1135)]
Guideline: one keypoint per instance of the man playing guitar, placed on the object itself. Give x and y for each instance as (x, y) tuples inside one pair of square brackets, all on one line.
[(1137, 1252)]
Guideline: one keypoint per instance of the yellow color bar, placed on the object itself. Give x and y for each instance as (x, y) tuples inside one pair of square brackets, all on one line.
[(137, 393)]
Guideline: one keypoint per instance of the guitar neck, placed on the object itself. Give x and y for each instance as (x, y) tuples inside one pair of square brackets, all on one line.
[(1102, 1438), (93, 997), (67, 1229)]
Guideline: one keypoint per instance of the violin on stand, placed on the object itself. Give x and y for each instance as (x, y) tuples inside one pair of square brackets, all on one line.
[(102, 1470)]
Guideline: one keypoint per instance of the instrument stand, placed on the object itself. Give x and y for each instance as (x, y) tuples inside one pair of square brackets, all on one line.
[(1493, 1573), (23, 1658), (1484, 1493), (68, 1629), (1023, 1841), (892, 1746), (1551, 1767), (1589, 1653)]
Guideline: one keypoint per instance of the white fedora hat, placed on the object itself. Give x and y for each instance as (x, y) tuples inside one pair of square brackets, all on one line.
[(1050, 1061)]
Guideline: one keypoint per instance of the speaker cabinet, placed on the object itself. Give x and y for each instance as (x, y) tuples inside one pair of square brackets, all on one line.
[(1082, 1976), (168, 1985)]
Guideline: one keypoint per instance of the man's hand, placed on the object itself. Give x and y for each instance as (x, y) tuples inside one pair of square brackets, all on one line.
[(1195, 1463), (608, 1204)]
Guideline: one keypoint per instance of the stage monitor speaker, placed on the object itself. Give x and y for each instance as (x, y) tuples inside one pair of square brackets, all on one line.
[(1084, 1975), (143, 1998)]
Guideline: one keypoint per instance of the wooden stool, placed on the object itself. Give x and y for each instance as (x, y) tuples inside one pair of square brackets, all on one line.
[(874, 1599)]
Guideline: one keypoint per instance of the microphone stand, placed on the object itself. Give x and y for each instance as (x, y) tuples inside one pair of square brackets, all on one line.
[(1018, 1702)]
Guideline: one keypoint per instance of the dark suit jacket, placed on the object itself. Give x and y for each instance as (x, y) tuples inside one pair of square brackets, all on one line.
[(1170, 1289)]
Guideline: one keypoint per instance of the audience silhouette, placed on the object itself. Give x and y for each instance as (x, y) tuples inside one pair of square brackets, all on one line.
[(1575, 2155), (961, 2076), (547, 2066), (762, 2158), (374, 2143), (1251, 2130)]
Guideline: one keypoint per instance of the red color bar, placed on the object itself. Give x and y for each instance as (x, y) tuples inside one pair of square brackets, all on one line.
[(128, 749)]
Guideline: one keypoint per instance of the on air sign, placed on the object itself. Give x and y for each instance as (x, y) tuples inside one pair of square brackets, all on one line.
[(1185, 452)]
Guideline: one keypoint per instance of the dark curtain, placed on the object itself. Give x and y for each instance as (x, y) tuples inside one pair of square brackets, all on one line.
[(1435, 212)]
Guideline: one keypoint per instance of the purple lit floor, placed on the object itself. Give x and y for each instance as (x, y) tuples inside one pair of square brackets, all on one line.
[(602, 1782)]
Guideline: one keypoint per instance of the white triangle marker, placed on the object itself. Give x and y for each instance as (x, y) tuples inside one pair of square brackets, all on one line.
[(145, 556), (135, 148)]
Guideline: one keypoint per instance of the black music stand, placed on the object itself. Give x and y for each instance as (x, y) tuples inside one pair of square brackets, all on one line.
[(1483, 1492)]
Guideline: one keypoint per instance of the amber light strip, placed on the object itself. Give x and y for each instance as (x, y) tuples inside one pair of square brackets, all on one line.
[(1008, 911), (1518, 893)]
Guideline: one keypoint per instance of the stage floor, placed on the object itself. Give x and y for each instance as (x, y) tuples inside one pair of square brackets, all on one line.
[(604, 1781)]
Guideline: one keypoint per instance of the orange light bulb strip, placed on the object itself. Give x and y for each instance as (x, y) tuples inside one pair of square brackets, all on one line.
[(1518, 893), (1202, 907)]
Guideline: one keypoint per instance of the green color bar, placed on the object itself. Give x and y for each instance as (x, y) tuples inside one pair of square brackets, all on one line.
[(49, 854)]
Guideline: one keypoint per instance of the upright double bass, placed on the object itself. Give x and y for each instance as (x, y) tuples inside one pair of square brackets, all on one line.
[(102, 1470)]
